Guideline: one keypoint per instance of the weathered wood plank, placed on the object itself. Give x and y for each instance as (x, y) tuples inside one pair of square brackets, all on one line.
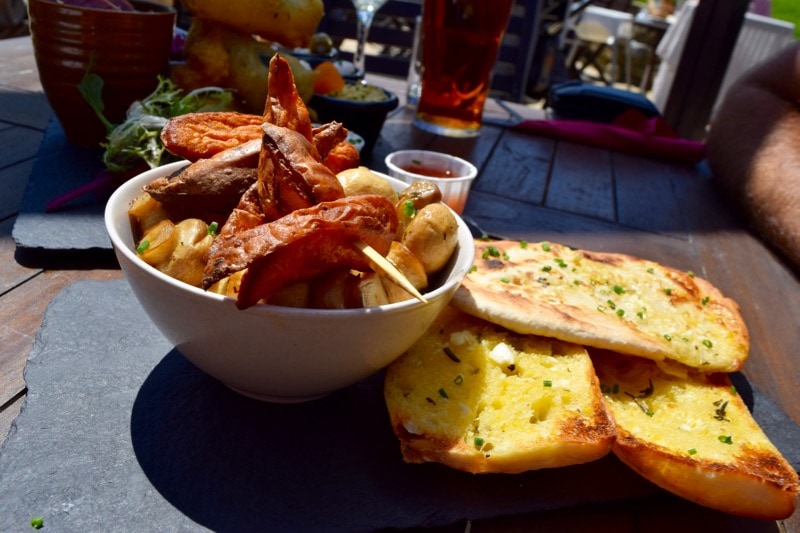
[(519, 167), (12, 274), (646, 194), (582, 181)]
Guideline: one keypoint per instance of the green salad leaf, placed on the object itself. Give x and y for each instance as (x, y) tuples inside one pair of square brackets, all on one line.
[(91, 88), (137, 140)]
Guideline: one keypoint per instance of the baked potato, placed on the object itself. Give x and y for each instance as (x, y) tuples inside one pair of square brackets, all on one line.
[(219, 55), (289, 22)]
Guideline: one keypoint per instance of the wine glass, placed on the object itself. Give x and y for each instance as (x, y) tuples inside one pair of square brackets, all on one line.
[(365, 14)]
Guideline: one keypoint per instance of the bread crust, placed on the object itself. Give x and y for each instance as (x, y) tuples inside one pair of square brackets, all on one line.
[(727, 488)]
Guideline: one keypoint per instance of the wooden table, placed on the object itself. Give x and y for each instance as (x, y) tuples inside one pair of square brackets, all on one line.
[(530, 187)]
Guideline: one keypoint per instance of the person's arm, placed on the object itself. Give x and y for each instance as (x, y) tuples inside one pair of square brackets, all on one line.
[(754, 149)]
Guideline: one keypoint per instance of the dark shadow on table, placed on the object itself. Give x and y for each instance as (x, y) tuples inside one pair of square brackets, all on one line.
[(229, 462), (88, 259), (24, 108)]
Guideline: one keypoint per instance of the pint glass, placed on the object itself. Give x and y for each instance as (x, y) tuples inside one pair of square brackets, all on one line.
[(460, 40)]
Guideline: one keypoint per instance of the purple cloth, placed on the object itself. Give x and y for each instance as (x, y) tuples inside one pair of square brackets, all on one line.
[(631, 133)]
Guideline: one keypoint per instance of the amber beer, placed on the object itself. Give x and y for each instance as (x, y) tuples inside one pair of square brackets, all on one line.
[(460, 39)]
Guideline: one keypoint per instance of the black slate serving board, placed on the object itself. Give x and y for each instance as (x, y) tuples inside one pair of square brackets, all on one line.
[(75, 230), (120, 433)]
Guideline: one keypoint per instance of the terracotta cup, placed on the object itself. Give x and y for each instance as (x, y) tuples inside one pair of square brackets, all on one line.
[(127, 49)]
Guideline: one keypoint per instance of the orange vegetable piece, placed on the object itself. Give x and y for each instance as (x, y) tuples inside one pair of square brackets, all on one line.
[(328, 78)]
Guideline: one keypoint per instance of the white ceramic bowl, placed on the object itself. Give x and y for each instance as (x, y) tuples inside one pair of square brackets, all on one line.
[(269, 352), (412, 165)]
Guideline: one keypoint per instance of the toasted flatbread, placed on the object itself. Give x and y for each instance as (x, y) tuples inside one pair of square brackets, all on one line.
[(478, 398), (605, 300), (695, 437)]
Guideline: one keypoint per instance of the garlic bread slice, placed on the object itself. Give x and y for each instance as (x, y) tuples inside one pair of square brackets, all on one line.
[(478, 398), (695, 437)]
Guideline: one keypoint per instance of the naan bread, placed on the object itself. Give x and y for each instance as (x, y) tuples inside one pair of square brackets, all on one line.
[(605, 300)]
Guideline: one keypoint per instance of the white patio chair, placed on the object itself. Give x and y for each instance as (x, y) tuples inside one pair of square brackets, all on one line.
[(596, 29)]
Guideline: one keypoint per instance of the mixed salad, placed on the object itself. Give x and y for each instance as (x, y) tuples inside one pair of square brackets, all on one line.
[(137, 140)]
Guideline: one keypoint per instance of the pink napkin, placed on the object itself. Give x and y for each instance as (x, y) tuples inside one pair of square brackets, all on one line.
[(632, 133)]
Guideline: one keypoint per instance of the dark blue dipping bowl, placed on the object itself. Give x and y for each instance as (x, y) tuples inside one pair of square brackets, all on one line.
[(364, 118)]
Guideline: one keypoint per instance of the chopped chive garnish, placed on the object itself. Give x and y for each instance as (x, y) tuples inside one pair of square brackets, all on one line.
[(725, 439), (523, 244), (144, 245), (707, 343), (691, 451), (451, 354), (491, 251), (478, 441), (408, 208), (459, 379), (618, 289), (547, 383), (547, 268), (443, 393), (612, 390), (720, 411), (37, 522), (213, 228), (546, 246)]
